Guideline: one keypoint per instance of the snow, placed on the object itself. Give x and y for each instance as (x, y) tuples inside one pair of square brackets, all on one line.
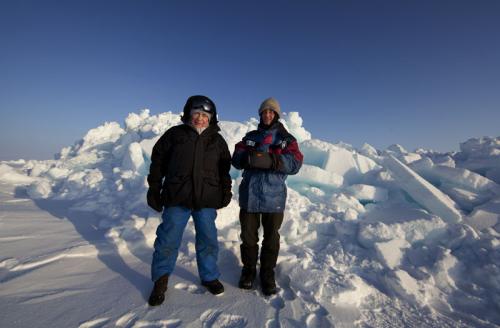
[(367, 193), (422, 191), (371, 238), (8, 174), (485, 216)]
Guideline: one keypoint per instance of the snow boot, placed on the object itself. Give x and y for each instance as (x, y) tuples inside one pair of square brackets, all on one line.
[(267, 281), (214, 287), (158, 294), (249, 255), (247, 277)]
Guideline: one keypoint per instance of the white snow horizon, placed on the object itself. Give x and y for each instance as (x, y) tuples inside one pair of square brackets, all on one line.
[(371, 238)]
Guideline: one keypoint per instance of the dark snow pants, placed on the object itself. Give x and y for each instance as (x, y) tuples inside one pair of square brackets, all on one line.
[(250, 223)]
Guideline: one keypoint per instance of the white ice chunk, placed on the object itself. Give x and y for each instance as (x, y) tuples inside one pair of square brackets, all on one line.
[(459, 177), (485, 216), (355, 296), (10, 175), (422, 191), (365, 192), (494, 174), (148, 126), (293, 123), (479, 154), (346, 204), (133, 159), (316, 176), (40, 189), (368, 151), (348, 164), (103, 135), (406, 286), (391, 252), (58, 172), (315, 151), (466, 199), (445, 272), (147, 146), (402, 154)]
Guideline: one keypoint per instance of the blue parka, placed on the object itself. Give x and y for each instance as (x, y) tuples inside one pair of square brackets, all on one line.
[(264, 191)]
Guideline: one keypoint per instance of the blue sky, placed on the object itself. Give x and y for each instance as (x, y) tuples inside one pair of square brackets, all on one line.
[(418, 73)]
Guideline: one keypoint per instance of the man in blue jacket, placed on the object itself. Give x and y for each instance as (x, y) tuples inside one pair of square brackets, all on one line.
[(267, 156)]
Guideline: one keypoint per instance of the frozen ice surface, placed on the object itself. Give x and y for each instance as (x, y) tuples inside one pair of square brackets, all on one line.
[(316, 176), (485, 216), (458, 177), (349, 164), (10, 175), (391, 252), (422, 191), (368, 193)]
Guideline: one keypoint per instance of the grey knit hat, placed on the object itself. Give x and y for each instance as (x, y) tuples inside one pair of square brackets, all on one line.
[(272, 104)]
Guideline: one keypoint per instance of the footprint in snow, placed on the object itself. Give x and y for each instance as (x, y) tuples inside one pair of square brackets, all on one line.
[(215, 318), (317, 320), (277, 302), (193, 289), (96, 323), (126, 320), (170, 323), (273, 323)]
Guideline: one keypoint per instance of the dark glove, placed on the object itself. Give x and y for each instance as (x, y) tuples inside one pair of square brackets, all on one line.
[(277, 164), (260, 160), (244, 161), (154, 199), (227, 199)]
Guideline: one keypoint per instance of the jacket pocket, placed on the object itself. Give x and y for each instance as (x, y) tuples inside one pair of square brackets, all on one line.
[(176, 189), (212, 193)]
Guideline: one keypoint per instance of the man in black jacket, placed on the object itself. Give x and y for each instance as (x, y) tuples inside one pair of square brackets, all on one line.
[(189, 176)]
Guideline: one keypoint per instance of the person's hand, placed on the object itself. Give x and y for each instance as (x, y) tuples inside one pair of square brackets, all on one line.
[(154, 199), (260, 160)]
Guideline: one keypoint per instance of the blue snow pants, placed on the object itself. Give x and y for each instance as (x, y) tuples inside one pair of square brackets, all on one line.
[(169, 236)]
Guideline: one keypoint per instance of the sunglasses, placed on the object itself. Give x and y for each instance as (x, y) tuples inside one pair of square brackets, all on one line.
[(203, 105)]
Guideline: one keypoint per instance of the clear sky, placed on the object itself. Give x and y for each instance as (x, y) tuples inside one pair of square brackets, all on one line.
[(418, 73)]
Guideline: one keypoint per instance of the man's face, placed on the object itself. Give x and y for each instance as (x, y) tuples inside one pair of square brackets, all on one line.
[(199, 120), (268, 116)]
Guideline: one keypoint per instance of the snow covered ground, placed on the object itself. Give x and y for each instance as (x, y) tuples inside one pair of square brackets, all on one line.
[(371, 238)]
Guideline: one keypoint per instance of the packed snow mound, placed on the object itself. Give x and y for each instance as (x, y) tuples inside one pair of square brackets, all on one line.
[(364, 228)]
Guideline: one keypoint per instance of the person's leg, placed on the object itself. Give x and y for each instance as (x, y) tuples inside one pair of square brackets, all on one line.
[(168, 239), (250, 223), (207, 247), (271, 223)]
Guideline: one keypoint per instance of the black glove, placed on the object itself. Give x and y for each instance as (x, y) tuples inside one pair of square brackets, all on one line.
[(276, 162), (154, 199), (227, 199), (260, 160)]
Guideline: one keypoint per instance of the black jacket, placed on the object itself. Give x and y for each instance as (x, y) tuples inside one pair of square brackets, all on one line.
[(190, 169)]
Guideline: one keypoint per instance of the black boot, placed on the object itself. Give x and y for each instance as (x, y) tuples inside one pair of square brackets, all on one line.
[(158, 294), (267, 281), (215, 287), (247, 277)]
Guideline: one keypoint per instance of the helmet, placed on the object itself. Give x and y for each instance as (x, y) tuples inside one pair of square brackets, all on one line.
[(201, 103)]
